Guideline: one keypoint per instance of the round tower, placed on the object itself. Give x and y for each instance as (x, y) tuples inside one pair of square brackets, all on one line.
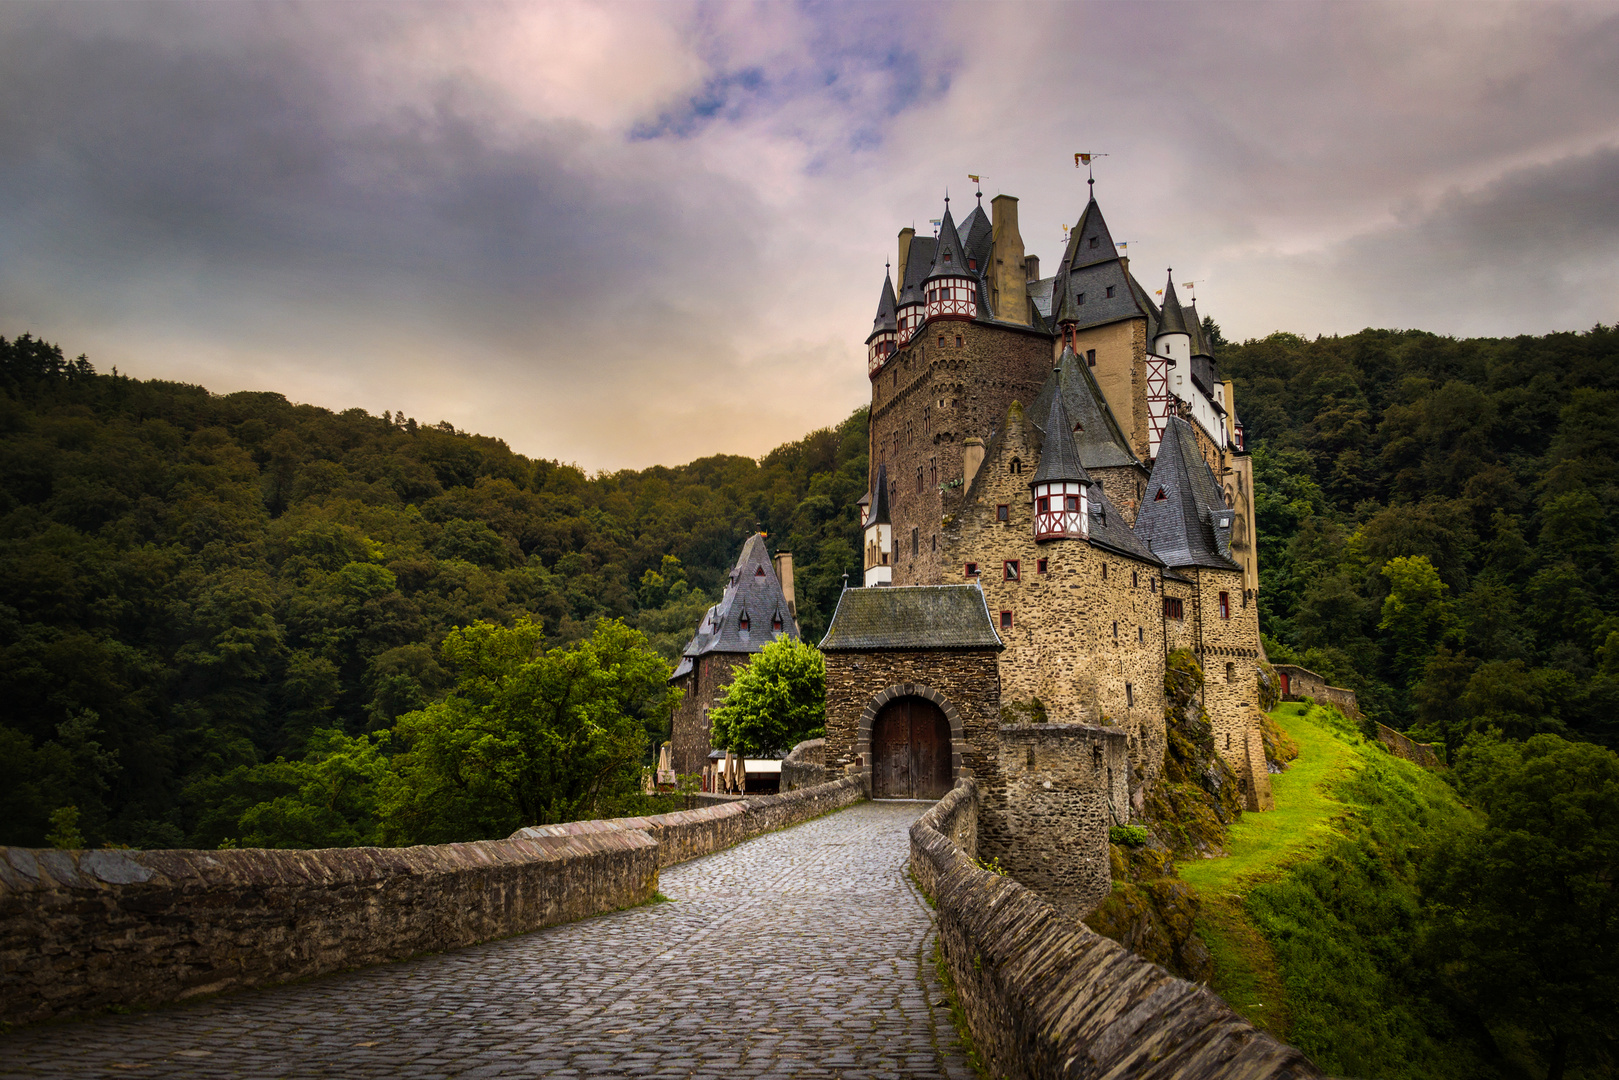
[(884, 337), (950, 291), (1061, 487), (1173, 340)]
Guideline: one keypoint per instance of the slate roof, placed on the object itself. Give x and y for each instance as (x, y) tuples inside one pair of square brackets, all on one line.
[(1108, 529), (911, 617), (886, 303), (879, 512), (752, 589), (1171, 320), (1059, 459), (1040, 292), (977, 234), (1191, 524), (1099, 440), (949, 258), (1194, 327)]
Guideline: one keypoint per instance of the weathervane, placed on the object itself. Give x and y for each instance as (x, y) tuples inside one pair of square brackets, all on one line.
[(1090, 174)]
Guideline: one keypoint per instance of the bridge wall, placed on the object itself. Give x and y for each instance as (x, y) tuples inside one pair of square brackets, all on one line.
[(1047, 997), (686, 834), (82, 930)]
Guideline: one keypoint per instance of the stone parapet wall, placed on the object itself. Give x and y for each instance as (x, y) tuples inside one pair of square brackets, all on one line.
[(804, 766), (1302, 682), (83, 930), (1046, 815), (687, 834), (1403, 747), (1045, 996)]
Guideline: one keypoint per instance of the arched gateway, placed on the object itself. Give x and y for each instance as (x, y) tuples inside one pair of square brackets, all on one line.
[(910, 751)]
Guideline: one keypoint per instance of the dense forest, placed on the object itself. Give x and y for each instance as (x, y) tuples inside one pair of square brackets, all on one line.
[(193, 586), (1437, 524), (197, 590)]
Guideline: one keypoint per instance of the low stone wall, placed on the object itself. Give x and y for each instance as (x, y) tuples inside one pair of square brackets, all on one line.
[(1045, 996), (81, 930), (1402, 747), (687, 834), (804, 766), (1302, 682)]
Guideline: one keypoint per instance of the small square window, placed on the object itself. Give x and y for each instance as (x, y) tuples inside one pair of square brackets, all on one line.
[(972, 569), (1071, 503), (1040, 566), (1080, 299), (1043, 504), (1110, 292), (1173, 608), (941, 341), (1095, 240), (1006, 620), (958, 341), (1009, 570), (1003, 512)]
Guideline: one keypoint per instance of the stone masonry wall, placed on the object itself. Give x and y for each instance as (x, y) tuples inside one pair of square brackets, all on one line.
[(969, 679), (1302, 682), (689, 730), (1045, 996), (83, 930), (687, 834), (1087, 645), (1228, 651), (924, 402), (1060, 787), (1402, 746), (1121, 372), (804, 766)]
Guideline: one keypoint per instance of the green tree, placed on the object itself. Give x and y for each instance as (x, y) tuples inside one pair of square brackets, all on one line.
[(775, 702), (1525, 913), (1416, 614), (334, 798), (526, 736)]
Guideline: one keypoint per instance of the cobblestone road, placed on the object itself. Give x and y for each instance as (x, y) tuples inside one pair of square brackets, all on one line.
[(804, 953)]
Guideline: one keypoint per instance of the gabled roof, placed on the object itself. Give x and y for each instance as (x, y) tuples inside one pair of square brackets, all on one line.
[(887, 318), (1191, 524), (752, 590), (911, 617), (1059, 459), (1108, 529), (879, 498), (950, 258), (1096, 432), (1170, 319)]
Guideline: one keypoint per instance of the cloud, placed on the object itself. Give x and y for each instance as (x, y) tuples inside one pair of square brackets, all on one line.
[(626, 234)]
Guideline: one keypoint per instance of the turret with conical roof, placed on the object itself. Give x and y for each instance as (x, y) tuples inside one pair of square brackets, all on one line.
[(951, 287), (884, 329), (879, 534), (1173, 340), (1060, 486)]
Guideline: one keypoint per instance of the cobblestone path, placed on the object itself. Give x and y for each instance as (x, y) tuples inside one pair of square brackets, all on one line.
[(803, 953)]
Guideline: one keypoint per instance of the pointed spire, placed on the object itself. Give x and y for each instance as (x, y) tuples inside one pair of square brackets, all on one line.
[(1173, 320), (1090, 242), (1096, 433), (1059, 459), (950, 260), (879, 498), (1194, 327), (887, 306), (1183, 516)]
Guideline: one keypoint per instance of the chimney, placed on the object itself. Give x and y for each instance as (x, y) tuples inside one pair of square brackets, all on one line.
[(1032, 268), (972, 456), (1009, 284), (905, 237), (784, 574)]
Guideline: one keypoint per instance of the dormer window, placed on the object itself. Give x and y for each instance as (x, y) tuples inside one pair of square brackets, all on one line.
[(758, 571), (1095, 240), (1080, 299), (1160, 497), (775, 624), (947, 258), (743, 622), (1110, 292), (972, 264)]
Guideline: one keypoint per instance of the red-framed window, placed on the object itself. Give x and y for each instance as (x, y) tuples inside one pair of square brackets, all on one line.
[(775, 624), (1174, 608), (1225, 605), (972, 570), (1011, 570), (1003, 512), (1040, 566), (1006, 620)]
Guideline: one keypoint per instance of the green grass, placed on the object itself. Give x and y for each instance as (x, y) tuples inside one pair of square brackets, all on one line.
[(1314, 918)]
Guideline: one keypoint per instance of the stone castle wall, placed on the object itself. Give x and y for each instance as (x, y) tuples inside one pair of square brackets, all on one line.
[(924, 402), (1087, 645), (967, 679), (690, 726), (1415, 752), (1302, 683), (84, 930), (804, 766), (1121, 372), (1046, 816), (1045, 996)]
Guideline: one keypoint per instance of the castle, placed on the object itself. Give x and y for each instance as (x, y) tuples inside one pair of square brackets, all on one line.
[(1059, 498)]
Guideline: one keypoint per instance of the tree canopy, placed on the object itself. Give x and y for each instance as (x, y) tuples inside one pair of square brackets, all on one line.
[(777, 701)]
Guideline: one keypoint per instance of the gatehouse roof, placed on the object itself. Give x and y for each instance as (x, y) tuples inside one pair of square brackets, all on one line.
[(911, 617)]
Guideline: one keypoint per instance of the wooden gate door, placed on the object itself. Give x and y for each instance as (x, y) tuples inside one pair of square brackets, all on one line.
[(910, 751)]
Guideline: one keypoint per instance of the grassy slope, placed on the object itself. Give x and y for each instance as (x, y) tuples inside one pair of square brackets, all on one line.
[(1312, 918)]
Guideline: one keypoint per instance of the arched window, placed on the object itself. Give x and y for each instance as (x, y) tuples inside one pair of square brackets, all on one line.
[(1017, 467)]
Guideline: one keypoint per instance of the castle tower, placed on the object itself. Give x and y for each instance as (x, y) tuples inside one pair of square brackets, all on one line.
[(1097, 436), (950, 291), (884, 328), (1060, 487), (1173, 340), (879, 535)]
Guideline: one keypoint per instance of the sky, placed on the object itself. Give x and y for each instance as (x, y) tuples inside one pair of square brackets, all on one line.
[(633, 234)]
